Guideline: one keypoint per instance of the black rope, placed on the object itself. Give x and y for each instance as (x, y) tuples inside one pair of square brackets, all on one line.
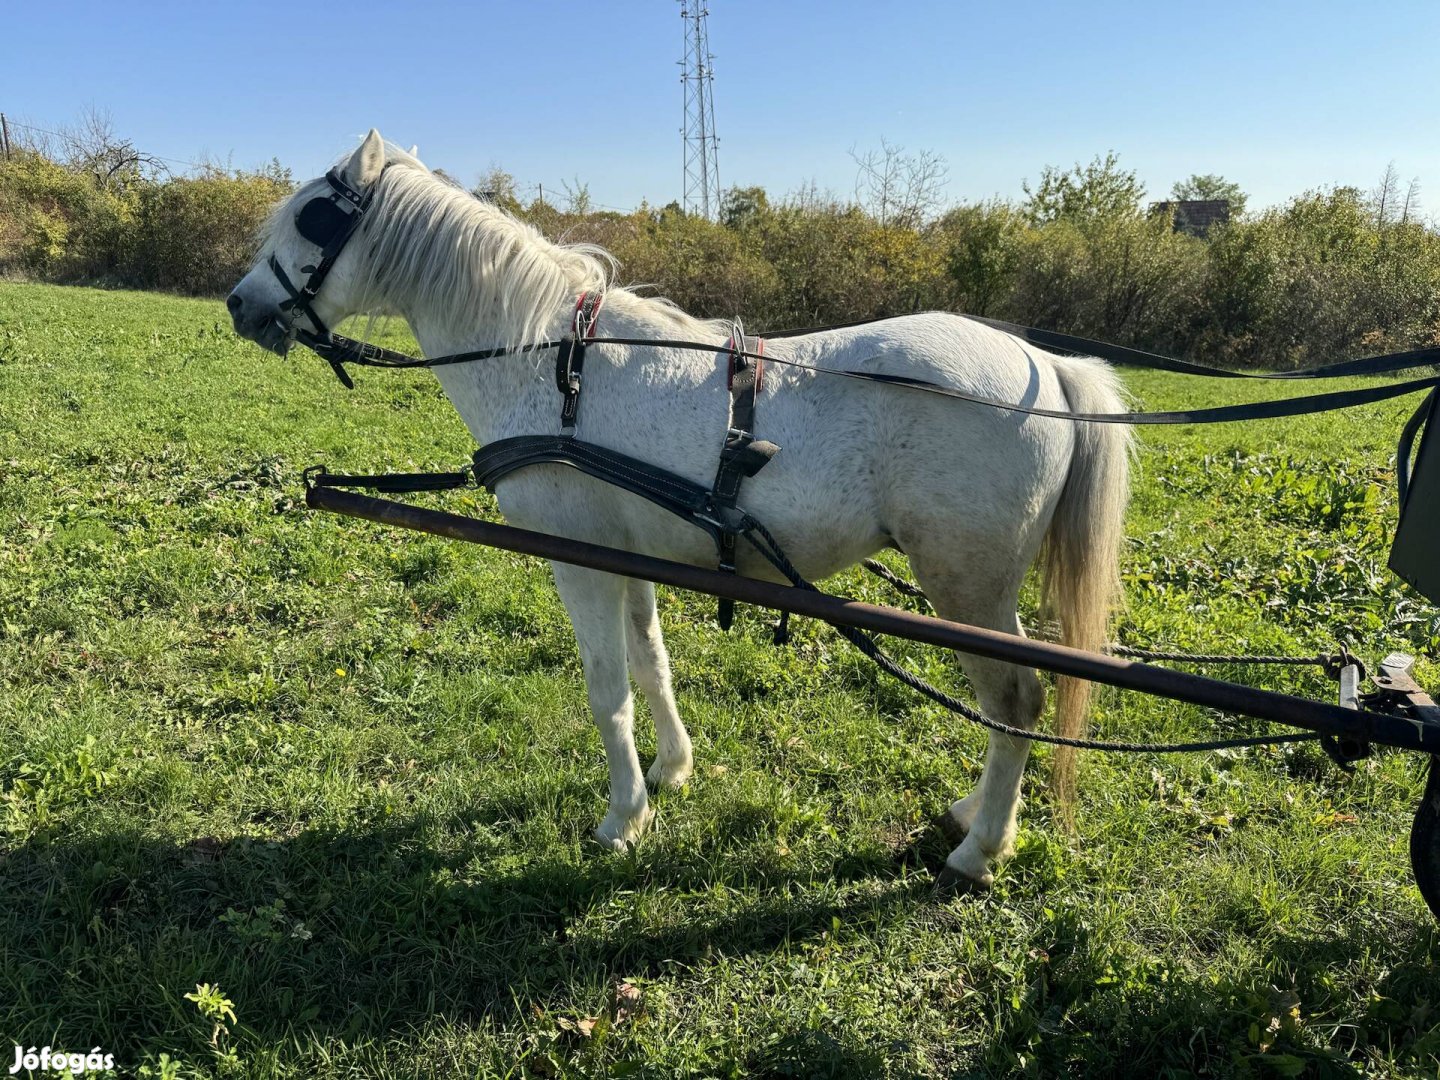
[(909, 588), (770, 549), (1321, 660)]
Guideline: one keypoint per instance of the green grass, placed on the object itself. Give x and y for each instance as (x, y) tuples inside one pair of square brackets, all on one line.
[(345, 776)]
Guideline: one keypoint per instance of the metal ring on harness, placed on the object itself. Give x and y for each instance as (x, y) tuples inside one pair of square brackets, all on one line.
[(570, 357)]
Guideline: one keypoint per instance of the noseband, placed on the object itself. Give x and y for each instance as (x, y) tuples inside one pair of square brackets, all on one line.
[(328, 222)]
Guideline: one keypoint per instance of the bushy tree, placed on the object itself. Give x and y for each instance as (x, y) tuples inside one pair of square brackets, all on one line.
[(58, 223), (1210, 186), (981, 248), (1083, 193), (196, 235)]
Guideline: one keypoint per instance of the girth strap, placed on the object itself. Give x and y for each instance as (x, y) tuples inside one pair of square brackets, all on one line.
[(742, 454)]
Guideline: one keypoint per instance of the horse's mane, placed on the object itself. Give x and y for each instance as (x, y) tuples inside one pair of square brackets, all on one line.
[(474, 265)]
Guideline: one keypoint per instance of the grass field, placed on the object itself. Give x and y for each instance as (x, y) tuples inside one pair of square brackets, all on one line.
[(344, 778)]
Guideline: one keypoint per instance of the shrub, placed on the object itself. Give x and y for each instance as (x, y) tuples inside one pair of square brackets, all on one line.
[(60, 225), (1325, 276), (197, 235)]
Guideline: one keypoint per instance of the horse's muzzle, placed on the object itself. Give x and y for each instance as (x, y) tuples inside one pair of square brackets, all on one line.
[(266, 328)]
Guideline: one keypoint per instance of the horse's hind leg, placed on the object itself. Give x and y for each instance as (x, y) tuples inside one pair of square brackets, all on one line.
[(650, 667), (986, 818), (1014, 696), (596, 603)]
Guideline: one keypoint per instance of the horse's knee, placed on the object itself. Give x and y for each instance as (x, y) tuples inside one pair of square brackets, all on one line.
[(1029, 694)]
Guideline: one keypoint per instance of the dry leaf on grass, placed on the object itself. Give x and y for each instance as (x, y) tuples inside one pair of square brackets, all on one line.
[(584, 1027), (626, 1002)]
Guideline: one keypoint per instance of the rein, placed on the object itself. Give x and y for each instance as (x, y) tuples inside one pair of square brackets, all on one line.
[(329, 221), (339, 350)]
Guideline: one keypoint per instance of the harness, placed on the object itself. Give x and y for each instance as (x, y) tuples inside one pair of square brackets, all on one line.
[(570, 357), (329, 221), (715, 509), (741, 454)]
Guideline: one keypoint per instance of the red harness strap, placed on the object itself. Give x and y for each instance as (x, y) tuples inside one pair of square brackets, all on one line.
[(587, 314)]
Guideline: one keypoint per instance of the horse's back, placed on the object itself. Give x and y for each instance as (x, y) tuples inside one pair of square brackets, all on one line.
[(871, 464)]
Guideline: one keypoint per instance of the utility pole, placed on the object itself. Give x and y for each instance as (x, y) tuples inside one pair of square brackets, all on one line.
[(697, 77), (5, 135)]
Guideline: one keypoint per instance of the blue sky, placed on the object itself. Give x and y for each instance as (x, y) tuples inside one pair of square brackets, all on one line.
[(1280, 97)]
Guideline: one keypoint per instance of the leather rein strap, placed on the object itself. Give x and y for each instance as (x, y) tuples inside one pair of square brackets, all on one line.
[(339, 350)]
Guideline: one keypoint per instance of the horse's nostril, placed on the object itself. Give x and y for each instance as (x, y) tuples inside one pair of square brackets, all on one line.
[(234, 303)]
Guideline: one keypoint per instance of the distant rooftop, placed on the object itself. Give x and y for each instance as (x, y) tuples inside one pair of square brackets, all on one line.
[(1195, 216)]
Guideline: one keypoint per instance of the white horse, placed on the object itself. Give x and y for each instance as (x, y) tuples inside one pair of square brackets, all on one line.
[(970, 494)]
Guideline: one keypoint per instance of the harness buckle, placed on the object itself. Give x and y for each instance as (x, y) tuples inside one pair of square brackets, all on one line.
[(569, 361), (570, 357), (742, 367)]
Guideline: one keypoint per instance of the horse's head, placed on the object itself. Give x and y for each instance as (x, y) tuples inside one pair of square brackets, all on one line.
[(305, 276)]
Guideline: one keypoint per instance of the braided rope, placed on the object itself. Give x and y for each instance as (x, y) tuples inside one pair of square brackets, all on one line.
[(770, 549), (910, 589)]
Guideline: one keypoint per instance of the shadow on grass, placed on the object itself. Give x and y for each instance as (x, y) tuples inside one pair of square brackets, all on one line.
[(1295, 1015), (352, 932), (484, 916)]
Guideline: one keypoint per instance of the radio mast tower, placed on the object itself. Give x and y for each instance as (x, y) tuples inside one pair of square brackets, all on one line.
[(697, 76)]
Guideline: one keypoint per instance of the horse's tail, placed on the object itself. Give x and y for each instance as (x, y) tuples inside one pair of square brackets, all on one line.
[(1081, 560)]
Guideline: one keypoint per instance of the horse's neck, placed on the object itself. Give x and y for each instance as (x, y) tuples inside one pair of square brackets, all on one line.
[(488, 393), (483, 391)]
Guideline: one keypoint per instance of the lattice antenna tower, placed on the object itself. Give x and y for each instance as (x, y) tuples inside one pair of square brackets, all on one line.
[(697, 77)]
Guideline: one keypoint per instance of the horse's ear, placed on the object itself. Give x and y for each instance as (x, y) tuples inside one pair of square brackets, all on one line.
[(364, 166)]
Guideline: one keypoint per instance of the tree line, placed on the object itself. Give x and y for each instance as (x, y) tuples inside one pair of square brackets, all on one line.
[(1331, 273)]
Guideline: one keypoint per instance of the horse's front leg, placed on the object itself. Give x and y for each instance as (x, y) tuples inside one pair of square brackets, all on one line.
[(596, 603), (650, 667)]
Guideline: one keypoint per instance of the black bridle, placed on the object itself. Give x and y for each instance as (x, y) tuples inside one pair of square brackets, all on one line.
[(327, 221)]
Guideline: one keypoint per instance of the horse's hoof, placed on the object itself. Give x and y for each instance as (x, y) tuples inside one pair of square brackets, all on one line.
[(616, 844), (621, 834), (951, 829), (664, 775), (952, 882)]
